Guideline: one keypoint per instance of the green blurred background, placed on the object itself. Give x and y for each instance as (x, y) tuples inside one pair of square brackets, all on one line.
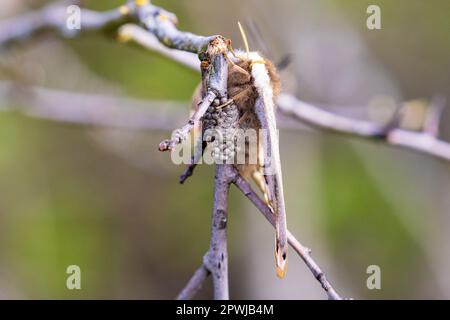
[(108, 201)]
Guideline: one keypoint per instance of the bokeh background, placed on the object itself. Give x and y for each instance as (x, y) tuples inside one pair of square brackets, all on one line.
[(105, 199)]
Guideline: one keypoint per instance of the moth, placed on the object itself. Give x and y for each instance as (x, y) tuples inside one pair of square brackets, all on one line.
[(253, 85)]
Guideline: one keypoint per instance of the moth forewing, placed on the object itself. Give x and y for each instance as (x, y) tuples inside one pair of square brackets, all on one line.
[(265, 112)]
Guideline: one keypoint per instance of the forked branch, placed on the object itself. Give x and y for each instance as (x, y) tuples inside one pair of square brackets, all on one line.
[(54, 16), (215, 261), (424, 142), (202, 273)]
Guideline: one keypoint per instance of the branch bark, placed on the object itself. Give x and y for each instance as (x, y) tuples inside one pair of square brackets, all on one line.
[(418, 141), (99, 110), (54, 16), (90, 109), (195, 283), (217, 258)]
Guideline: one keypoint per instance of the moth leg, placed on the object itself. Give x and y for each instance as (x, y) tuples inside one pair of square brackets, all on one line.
[(240, 97), (196, 100), (260, 182)]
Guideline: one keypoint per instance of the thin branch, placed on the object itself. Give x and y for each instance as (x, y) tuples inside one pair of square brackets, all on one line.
[(54, 16), (132, 32), (195, 283), (90, 109), (311, 115), (322, 119), (215, 261), (100, 110), (188, 172), (162, 24), (217, 258), (301, 250), (181, 134)]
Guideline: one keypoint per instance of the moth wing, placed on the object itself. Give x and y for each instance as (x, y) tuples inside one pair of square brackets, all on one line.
[(265, 112)]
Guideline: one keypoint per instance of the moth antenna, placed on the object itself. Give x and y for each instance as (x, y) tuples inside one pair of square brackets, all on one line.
[(255, 34), (230, 48), (244, 38), (228, 58)]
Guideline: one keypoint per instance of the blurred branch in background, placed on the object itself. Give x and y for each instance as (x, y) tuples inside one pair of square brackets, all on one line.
[(134, 114), (425, 142), (53, 16), (99, 110), (90, 109)]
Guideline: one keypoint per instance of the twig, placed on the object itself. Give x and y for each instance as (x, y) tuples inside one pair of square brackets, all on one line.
[(137, 34), (162, 24), (195, 283), (322, 119), (309, 114), (181, 134), (217, 258), (54, 16), (130, 31), (302, 251), (215, 261), (100, 110), (188, 172), (89, 109)]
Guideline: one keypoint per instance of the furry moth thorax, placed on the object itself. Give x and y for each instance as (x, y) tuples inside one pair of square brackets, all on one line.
[(249, 76)]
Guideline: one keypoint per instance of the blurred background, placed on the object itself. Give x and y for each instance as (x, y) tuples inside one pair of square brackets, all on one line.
[(105, 199)]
